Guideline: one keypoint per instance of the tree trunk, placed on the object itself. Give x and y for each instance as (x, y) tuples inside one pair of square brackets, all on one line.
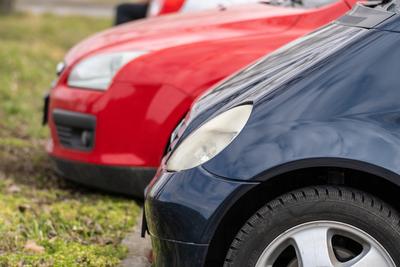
[(7, 6)]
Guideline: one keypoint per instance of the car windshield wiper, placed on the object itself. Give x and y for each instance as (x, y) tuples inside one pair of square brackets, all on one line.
[(386, 5), (286, 3)]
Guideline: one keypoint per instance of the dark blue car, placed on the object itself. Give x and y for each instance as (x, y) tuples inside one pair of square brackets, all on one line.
[(295, 161)]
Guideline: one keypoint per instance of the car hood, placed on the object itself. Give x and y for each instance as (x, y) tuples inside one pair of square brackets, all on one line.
[(271, 75), (180, 29)]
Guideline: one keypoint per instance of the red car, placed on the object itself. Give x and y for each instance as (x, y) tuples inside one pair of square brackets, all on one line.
[(132, 11), (121, 93)]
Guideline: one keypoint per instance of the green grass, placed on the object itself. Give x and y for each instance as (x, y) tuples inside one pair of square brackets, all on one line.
[(30, 47), (70, 225)]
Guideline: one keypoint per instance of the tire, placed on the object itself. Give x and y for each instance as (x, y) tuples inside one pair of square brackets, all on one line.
[(350, 219)]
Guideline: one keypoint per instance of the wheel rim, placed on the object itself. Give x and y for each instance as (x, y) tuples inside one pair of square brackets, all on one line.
[(325, 244)]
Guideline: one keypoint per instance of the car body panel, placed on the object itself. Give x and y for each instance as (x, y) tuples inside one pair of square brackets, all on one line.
[(177, 29), (179, 253), (205, 199), (202, 196), (329, 116), (209, 61), (195, 5), (162, 7), (150, 95), (151, 109), (313, 107)]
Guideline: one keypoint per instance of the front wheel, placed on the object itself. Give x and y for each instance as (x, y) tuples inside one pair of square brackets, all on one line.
[(319, 226)]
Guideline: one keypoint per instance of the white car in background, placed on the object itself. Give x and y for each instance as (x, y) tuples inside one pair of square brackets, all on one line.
[(132, 11), (160, 7)]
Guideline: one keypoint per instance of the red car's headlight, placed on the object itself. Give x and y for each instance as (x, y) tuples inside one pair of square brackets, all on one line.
[(97, 72)]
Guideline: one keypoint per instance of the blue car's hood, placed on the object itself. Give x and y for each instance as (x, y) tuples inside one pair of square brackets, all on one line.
[(306, 96), (266, 77), (288, 63)]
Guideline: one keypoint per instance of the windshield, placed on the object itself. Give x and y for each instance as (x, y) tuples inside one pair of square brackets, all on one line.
[(299, 3)]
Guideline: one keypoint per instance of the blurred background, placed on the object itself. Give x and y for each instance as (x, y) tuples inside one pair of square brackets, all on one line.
[(96, 8), (43, 219)]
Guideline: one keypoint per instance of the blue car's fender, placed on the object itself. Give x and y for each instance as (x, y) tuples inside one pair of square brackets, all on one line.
[(340, 111)]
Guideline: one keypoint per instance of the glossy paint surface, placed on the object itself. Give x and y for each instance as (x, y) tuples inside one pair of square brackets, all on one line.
[(323, 112), (187, 55), (177, 253), (170, 6), (162, 7), (195, 5), (168, 212), (329, 99)]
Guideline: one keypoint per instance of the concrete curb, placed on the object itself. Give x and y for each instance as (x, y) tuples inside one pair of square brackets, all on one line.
[(139, 248)]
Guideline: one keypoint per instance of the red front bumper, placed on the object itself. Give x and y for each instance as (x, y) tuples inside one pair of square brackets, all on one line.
[(128, 128), (126, 131)]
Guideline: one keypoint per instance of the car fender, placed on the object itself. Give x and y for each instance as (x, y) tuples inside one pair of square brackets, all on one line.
[(325, 113), (309, 144)]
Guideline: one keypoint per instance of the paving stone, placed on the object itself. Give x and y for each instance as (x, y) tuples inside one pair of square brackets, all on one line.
[(139, 248)]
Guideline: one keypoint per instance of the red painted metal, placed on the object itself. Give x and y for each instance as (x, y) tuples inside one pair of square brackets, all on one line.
[(188, 53)]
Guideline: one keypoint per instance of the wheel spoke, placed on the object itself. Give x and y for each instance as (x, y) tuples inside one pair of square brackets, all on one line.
[(371, 258), (313, 247)]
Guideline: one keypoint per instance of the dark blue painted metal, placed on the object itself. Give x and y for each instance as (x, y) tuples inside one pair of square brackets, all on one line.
[(185, 208), (167, 253), (343, 106), (329, 99)]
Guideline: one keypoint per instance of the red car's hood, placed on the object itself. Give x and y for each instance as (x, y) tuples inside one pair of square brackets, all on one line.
[(175, 30)]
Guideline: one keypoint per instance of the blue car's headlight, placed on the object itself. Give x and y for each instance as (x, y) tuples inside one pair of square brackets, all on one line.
[(210, 139), (97, 72)]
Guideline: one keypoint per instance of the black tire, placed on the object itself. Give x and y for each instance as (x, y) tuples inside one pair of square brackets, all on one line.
[(322, 203)]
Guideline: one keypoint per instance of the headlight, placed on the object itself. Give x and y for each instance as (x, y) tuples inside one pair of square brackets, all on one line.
[(210, 139), (98, 72)]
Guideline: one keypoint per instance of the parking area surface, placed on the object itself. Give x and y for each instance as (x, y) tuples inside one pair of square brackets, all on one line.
[(139, 248)]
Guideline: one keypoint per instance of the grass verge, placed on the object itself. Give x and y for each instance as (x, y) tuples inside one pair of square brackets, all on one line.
[(44, 221)]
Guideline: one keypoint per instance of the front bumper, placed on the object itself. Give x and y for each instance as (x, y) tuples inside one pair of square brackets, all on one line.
[(183, 211), (168, 253), (120, 133), (109, 128), (123, 180)]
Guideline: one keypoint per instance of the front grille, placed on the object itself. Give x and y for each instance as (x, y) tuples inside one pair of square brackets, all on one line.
[(64, 135), (75, 130)]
